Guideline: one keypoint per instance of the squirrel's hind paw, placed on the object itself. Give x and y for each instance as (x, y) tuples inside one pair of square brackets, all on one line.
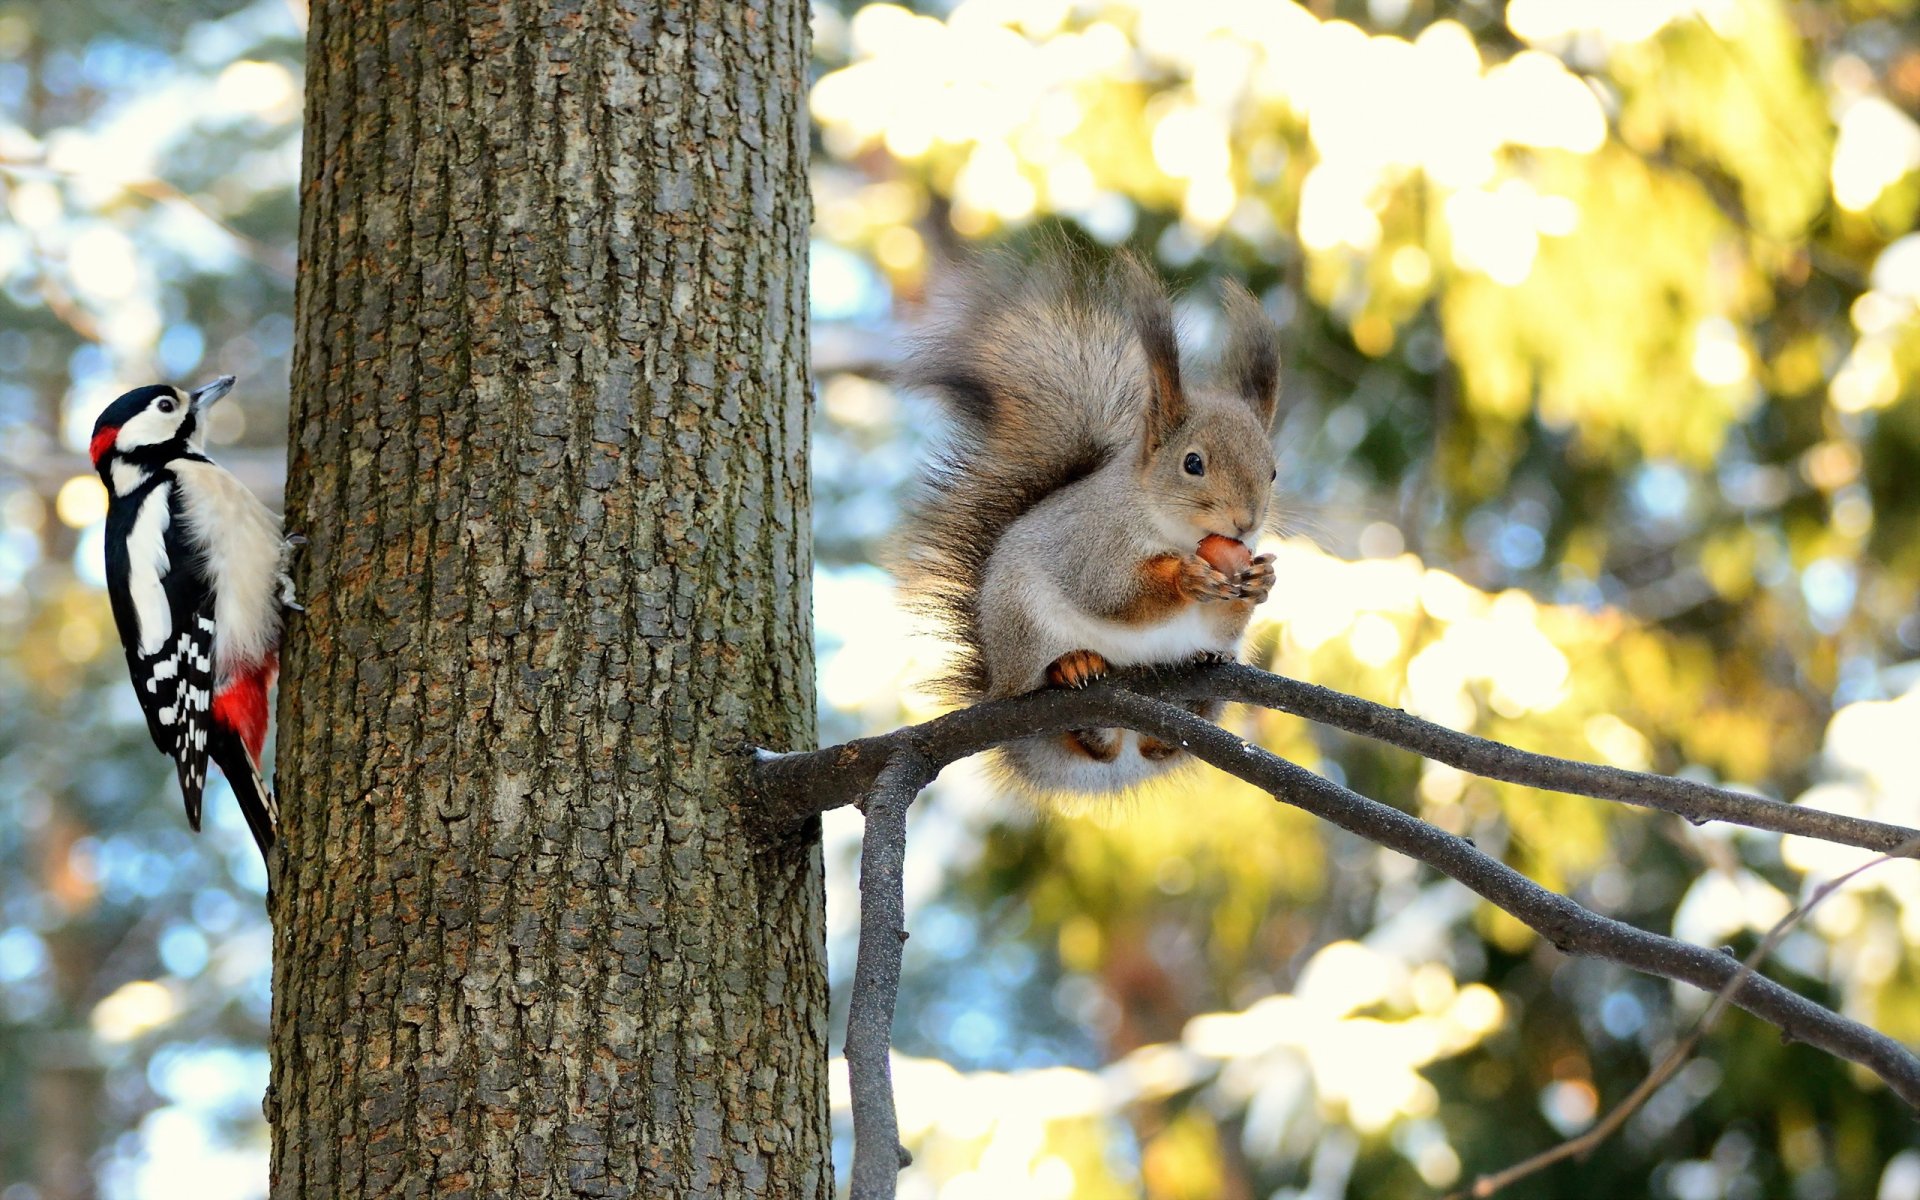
[(1076, 669)]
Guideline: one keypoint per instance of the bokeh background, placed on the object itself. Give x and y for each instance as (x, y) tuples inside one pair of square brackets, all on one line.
[(1602, 436)]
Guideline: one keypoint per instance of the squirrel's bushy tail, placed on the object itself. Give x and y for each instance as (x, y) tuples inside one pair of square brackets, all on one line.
[(1039, 367)]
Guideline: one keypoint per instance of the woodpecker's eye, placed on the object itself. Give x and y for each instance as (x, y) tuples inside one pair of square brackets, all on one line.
[(166, 404), (1194, 466)]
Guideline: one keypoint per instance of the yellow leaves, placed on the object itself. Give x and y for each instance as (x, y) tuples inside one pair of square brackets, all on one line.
[(1079, 944), (69, 627), (1877, 146), (991, 1134), (1247, 857), (1883, 365), (1596, 284), (1604, 334), (1797, 368), (1734, 89), (1728, 560), (1361, 1021), (1347, 1046), (1183, 1160)]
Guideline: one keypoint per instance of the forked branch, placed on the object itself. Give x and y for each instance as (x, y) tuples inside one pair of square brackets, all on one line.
[(890, 770)]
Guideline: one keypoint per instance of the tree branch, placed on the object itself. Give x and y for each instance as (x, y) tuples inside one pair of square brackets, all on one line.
[(796, 786), (1565, 923), (891, 770), (1586, 1143), (877, 1153)]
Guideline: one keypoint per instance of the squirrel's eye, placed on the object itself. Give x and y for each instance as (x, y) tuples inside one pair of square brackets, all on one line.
[(1274, 476), (165, 405), (1194, 466)]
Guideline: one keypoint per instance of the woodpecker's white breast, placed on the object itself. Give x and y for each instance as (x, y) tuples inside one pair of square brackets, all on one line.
[(241, 546)]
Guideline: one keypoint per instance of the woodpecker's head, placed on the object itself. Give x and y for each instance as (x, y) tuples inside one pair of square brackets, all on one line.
[(154, 423)]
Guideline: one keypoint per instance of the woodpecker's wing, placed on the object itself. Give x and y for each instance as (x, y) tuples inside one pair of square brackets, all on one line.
[(163, 604), (191, 657)]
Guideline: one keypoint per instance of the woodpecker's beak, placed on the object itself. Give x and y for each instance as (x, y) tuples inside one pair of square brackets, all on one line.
[(205, 397)]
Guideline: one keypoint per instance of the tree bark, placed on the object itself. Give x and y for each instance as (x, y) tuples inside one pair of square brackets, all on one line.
[(548, 445)]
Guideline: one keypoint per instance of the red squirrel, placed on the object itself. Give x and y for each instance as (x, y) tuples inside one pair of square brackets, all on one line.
[(1090, 510)]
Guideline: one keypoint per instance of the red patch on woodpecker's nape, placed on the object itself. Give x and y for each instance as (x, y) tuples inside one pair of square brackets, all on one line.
[(103, 442), (242, 707)]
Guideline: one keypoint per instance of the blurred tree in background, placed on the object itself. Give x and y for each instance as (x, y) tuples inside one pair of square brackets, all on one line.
[(1603, 335), (147, 157)]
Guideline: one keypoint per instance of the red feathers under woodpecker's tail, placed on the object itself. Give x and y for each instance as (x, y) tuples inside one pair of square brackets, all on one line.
[(241, 706), (239, 738)]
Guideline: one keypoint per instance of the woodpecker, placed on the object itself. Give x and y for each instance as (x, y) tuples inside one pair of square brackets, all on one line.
[(197, 573)]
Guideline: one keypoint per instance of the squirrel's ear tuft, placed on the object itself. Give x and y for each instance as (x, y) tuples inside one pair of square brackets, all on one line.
[(1152, 315), (1250, 362)]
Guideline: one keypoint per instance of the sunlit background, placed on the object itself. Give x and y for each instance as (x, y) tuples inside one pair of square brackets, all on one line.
[(1602, 436)]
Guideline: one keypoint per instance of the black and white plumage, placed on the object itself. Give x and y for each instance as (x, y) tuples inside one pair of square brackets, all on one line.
[(196, 571)]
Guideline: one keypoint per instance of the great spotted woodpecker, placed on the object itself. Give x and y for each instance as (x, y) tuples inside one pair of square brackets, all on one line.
[(197, 573)]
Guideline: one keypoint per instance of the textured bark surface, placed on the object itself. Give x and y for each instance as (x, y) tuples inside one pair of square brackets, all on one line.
[(548, 438)]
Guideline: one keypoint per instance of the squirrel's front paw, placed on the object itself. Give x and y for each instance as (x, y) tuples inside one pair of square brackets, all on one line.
[(1200, 581), (1255, 581), (1076, 669)]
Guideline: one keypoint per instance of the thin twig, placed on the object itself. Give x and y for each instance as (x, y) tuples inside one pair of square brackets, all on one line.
[(877, 1153), (1570, 927), (1669, 1065)]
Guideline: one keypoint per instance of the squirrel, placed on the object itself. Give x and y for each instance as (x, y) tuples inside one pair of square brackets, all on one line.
[(1089, 510)]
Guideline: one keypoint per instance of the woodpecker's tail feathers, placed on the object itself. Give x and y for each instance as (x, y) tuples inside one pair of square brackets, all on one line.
[(256, 802), (192, 787), (257, 805)]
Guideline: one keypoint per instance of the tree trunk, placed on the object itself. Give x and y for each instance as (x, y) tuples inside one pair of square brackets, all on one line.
[(548, 444)]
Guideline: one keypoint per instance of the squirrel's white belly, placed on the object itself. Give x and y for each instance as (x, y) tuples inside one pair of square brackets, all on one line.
[(1184, 635)]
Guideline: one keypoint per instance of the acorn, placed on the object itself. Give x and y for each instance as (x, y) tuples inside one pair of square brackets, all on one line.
[(1225, 555)]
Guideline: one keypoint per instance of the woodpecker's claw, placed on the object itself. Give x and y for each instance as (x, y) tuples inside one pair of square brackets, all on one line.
[(296, 539)]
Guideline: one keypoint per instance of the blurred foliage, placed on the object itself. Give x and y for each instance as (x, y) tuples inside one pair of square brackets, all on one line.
[(147, 156), (1602, 326)]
